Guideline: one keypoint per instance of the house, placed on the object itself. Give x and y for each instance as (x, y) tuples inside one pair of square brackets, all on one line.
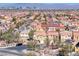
[(23, 35), (41, 36), (65, 35), (76, 36), (36, 25), (61, 27), (74, 24), (53, 36)]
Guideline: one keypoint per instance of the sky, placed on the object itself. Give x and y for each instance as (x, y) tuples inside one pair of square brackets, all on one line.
[(42, 5)]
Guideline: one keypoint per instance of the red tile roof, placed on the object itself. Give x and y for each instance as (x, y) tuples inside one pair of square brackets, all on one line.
[(49, 33)]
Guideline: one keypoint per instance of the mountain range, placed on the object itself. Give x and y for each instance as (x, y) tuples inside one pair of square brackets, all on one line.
[(40, 5)]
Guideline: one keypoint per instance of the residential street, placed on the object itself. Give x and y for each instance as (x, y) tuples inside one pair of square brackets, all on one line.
[(12, 51)]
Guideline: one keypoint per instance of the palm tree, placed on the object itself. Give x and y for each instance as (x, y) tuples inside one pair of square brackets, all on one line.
[(46, 30), (54, 39), (59, 37)]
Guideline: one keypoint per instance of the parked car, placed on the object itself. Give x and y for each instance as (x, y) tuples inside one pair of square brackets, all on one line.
[(19, 44)]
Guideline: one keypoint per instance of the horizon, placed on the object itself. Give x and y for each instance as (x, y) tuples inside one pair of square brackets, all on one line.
[(41, 5)]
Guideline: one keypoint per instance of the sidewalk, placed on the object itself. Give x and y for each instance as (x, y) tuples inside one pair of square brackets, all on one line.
[(9, 45)]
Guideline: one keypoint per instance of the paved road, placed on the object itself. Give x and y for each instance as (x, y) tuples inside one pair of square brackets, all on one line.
[(12, 51)]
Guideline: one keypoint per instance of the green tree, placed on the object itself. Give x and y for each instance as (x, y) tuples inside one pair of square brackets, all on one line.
[(31, 34), (1, 33), (32, 45), (19, 24), (67, 48), (14, 20), (8, 35)]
